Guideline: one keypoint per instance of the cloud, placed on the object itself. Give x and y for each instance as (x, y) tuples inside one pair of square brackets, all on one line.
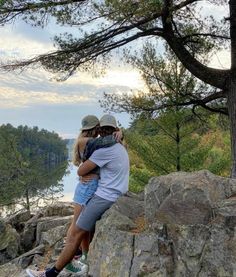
[(36, 34), (22, 40), (212, 9), (36, 87), (221, 60), (20, 99), (33, 98), (127, 78)]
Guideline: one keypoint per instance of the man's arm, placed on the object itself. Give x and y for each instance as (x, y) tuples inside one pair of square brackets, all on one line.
[(86, 167), (98, 143)]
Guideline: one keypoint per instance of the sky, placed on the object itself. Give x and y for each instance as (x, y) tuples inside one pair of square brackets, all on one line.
[(34, 98)]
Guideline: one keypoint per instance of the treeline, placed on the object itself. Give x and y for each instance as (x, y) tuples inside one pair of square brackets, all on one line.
[(32, 161), (177, 141)]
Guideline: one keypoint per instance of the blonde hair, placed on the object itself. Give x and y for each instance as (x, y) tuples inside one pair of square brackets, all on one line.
[(91, 133)]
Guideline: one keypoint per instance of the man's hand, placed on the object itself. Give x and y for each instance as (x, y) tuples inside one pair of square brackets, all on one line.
[(87, 178), (85, 168)]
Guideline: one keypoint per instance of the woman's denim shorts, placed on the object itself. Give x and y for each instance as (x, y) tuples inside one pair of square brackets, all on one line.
[(84, 191)]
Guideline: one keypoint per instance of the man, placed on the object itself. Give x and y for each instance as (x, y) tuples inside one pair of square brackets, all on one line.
[(114, 173)]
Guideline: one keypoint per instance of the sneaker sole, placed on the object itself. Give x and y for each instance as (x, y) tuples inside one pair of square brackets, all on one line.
[(82, 273), (29, 273)]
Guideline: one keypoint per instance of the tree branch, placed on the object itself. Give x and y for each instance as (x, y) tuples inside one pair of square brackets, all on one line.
[(214, 77), (205, 35), (27, 6)]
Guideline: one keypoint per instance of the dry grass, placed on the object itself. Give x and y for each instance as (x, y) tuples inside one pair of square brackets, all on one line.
[(140, 223), (46, 259)]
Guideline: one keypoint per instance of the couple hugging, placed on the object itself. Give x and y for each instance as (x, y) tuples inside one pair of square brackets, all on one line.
[(104, 171)]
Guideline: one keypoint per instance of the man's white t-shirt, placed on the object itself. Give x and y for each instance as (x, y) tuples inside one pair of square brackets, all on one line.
[(114, 171)]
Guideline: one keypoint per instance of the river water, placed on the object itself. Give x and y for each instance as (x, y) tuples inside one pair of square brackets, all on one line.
[(69, 181)]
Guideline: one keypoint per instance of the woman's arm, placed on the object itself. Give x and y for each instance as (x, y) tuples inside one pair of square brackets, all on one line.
[(97, 143), (118, 134)]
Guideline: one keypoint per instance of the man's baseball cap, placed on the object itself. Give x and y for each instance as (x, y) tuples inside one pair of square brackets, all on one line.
[(89, 122), (108, 120)]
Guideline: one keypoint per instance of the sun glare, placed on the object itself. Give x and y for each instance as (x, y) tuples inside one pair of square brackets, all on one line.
[(131, 79)]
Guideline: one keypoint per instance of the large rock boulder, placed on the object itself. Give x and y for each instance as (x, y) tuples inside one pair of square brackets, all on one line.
[(18, 219), (28, 235), (59, 209), (38, 229), (40, 237), (53, 235), (112, 250), (185, 198), (12, 270), (48, 223), (27, 258), (189, 229), (9, 242)]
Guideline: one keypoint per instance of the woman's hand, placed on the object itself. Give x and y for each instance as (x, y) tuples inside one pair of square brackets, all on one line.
[(118, 135)]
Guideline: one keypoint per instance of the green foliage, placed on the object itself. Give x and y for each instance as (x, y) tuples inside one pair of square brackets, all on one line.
[(201, 145), (139, 177), (218, 159), (32, 162), (2, 2), (121, 10), (39, 13), (12, 167)]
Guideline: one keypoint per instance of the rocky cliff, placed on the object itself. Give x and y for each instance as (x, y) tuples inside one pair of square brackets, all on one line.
[(183, 225)]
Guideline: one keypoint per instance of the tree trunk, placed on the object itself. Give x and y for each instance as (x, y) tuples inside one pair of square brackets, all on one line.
[(178, 167), (232, 86), (232, 119), (27, 200)]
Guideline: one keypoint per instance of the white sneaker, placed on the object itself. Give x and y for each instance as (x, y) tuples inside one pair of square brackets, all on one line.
[(35, 273)]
